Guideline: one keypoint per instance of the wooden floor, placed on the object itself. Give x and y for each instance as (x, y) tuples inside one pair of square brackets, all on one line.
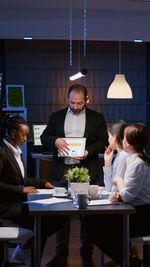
[(74, 259)]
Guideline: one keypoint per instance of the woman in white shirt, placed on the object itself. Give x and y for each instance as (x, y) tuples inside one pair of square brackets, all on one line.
[(115, 168), (133, 189)]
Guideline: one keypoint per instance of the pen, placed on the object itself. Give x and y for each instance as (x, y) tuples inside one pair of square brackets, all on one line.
[(21, 185)]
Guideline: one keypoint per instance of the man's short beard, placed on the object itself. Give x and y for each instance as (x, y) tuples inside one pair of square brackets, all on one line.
[(77, 111)]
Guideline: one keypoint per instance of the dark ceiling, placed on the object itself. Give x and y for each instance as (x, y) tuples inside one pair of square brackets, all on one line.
[(50, 19)]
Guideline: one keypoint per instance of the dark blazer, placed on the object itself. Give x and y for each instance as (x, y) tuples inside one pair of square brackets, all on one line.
[(96, 140), (11, 195)]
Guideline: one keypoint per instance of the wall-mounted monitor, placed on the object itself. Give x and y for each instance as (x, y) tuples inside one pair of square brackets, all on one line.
[(37, 131)]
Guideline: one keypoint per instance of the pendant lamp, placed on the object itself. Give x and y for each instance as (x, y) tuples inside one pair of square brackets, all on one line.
[(119, 87)]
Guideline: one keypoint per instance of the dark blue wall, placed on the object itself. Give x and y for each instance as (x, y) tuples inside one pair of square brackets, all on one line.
[(43, 68)]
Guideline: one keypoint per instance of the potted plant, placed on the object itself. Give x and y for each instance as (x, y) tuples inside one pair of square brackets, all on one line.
[(78, 180)]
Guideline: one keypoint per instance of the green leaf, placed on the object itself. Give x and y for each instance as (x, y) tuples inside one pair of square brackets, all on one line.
[(78, 175)]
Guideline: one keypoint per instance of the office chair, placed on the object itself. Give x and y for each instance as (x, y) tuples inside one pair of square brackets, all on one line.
[(146, 250), (7, 234)]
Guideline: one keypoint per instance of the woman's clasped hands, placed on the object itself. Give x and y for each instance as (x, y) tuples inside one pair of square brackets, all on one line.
[(115, 196)]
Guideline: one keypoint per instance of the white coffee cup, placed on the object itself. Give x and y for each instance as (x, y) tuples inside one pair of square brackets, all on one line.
[(94, 191), (60, 190)]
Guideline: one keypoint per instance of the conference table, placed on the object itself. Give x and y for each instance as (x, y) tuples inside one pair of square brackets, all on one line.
[(68, 208)]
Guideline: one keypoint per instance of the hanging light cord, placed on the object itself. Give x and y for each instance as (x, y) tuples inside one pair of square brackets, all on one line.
[(84, 28), (119, 57), (70, 32), (78, 55), (85, 25), (119, 16)]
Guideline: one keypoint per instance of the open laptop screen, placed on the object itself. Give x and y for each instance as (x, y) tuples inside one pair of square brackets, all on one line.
[(37, 131)]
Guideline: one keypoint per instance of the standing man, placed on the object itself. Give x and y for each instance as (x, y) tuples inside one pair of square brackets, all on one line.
[(74, 121)]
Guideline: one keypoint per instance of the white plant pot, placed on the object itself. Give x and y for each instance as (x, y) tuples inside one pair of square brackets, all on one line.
[(78, 188)]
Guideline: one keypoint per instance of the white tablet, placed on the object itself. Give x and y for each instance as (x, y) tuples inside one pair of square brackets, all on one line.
[(76, 147)]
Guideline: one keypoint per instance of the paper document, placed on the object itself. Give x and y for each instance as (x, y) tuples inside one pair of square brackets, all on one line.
[(100, 202), (42, 194), (48, 201), (76, 147), (45, 191)]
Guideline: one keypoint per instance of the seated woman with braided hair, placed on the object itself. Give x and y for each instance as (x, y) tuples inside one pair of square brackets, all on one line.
[(15, 186)]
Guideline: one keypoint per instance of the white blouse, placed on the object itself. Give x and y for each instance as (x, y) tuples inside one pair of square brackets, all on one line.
[(17, 154), (137, 181), (118, 168), (74, 126)]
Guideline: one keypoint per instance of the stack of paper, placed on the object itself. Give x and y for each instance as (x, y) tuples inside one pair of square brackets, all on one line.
[(48, 201), (42, 194), (45, 191), (100, 202)]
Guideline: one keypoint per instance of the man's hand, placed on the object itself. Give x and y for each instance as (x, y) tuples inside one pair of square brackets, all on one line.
[(30, 190), (49, 185), (62, 146), (81, 158)]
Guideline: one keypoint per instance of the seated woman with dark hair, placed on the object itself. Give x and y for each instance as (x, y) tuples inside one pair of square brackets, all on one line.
[(133, 189), (113, 168), (15, 186)]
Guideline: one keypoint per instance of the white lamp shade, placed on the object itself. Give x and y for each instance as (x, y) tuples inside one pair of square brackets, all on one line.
[(119, 88)]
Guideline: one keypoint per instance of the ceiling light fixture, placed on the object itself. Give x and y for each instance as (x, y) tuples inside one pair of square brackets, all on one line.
[(138, 40), (28, 38), (119, 88), (78, 75)]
